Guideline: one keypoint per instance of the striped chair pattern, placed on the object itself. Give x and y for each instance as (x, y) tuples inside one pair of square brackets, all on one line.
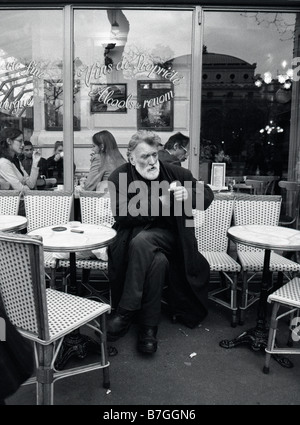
[(286, 298), (47, 208), (9, 202), (95, 209), (211, 228), (46, 316)]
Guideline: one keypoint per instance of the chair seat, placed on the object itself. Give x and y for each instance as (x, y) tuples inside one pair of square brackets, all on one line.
[(254, 261), (91, 264), (221, 261), (288, 294), (49, 261), (68, 312)]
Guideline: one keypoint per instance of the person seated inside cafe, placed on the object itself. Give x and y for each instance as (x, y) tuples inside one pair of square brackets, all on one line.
[(154, 246), (11, 169), (176, 150), (55, 163), (26, 160), (105, 158)]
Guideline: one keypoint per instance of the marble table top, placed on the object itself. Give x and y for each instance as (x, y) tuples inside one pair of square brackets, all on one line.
[(66, 237), (12, 222), (266, 237)]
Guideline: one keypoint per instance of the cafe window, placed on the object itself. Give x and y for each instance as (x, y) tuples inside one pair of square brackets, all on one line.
[(31, 61), (130, 73), (133, 74), (259, 55)]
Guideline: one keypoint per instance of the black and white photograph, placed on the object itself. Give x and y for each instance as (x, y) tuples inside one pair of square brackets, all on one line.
[(110, 98)]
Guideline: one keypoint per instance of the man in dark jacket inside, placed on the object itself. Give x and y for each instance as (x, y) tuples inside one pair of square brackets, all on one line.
[(26, 160), (176, 150), (152, 204)]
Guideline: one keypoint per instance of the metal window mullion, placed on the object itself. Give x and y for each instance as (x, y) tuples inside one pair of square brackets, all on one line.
[(195, 94), (68, 136)]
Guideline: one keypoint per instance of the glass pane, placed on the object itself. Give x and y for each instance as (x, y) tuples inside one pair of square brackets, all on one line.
[(133, 74), (31, 80), (247, 92)]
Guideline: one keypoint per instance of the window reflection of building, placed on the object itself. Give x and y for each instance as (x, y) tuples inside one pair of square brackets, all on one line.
[(234, 110), (294, 141)]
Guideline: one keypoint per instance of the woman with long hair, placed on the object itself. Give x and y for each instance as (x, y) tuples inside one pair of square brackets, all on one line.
[(106, 157), (11, 169)]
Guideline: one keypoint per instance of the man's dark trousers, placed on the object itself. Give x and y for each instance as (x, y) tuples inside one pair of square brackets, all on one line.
[(146, 273)]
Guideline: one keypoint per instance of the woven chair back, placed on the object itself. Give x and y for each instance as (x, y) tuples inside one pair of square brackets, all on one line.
[(269, 183), (256, 209), (22, 283), (47, 208), (95, 209), (212, 224), (9, 202)]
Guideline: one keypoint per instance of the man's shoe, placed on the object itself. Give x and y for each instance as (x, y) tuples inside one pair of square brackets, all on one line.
[(118, 323), (147, 342)]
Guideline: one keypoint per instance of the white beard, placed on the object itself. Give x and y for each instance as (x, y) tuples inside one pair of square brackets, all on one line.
[(148, 175)]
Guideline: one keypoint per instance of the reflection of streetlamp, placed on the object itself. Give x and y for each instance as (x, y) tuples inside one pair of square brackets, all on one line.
[(282, 84), (284, 79), (277, 92), (271, 129)]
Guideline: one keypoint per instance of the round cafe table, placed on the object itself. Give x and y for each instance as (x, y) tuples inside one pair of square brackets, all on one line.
[(12, 223), (71, 238), (268, 238)]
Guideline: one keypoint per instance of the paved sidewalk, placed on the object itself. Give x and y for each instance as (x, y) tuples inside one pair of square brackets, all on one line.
[(212, 376)]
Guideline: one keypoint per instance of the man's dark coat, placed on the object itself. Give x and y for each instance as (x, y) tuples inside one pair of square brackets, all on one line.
[(188, 271), (164, 156)]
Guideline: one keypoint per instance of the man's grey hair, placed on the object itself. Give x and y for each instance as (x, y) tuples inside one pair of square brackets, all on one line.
[(149, 137)]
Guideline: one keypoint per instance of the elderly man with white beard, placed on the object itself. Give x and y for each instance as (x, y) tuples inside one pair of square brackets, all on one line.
[(155, 245)]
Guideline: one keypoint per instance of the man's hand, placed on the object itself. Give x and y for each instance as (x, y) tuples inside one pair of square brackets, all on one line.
[(180, 193)]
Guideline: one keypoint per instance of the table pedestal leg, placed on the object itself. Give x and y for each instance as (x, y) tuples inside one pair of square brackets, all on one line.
[(75, 344), (74, 286), (257, 338)]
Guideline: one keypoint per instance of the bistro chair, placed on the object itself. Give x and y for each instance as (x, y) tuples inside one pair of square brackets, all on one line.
[(269, 183), (289, 215), (236, 179), (258, 187), (9, 202), (45, 208), (95, 209), (211, 228), (258, 209), (45, 316), (286, 298), (233, 180)]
